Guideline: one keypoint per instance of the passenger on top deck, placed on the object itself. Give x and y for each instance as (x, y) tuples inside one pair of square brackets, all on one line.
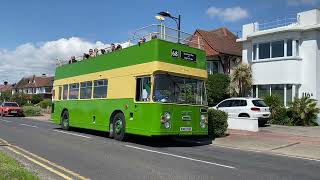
[(113, 47), (72, 60), (85, 56), (103, 51), (142, 40), (91, 53), (95, 52), (119, 47)]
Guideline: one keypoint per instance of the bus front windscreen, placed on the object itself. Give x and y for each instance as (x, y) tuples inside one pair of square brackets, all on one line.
[(176, 89)]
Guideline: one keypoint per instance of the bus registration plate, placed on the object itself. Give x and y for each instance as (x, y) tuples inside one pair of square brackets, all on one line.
[(185, 128)]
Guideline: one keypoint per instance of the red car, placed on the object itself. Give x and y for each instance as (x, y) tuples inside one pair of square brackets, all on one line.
[(10, 108)]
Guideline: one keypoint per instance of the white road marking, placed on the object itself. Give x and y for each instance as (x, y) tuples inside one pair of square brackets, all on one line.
[(72, 134), (5, 120), (29, 125), (269, 153), (182, 157)]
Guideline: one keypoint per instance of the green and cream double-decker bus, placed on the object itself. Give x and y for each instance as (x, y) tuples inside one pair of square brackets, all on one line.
[(154, 88)]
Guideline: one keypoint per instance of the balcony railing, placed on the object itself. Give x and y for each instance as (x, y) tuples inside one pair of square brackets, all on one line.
[(147, 33), (278, 22)]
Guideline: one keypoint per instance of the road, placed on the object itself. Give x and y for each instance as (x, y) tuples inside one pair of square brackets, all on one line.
[(93, 155)]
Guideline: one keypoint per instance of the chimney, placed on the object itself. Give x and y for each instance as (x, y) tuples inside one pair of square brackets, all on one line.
[(5, 83)]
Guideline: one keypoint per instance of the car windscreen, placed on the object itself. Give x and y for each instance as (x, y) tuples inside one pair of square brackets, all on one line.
[(259, 103), (10, 104)]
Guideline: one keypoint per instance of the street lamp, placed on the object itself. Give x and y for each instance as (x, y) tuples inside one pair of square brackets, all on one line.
[(176, 19)]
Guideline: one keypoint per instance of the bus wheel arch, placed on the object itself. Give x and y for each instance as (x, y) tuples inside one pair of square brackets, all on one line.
[(117, 125), (64, 122)]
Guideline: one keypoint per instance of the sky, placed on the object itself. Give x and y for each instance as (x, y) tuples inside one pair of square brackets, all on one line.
[(34, 33)]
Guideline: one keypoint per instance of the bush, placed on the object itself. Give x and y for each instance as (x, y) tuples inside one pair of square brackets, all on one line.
[(45, 103), (32, 111), (278, 111), (5, 96), (218, 123), (303, 112), (36, 98), (20, 98), (217, 88)]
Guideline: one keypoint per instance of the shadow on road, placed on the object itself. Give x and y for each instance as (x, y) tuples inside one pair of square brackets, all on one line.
[(164, 141)]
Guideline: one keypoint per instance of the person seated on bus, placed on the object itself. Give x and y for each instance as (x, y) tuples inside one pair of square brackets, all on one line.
[(142, 40), (95, 52), (113, 47), (119, 47), (72, 60), (91, 53), (103, 51), (154, 36), (85, 56)]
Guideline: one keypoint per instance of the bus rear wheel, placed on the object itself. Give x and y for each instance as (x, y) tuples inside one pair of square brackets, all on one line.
[(119, 127), (65, 120)]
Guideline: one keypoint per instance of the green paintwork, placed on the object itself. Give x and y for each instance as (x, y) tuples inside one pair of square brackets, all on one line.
[(140, 117), (154, 50), (145, 120)]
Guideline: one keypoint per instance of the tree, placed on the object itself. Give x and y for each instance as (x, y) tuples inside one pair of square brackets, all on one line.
[(36, 98), (20, 98), (217, 88), (303, 112), (5, 96), (241, 80)]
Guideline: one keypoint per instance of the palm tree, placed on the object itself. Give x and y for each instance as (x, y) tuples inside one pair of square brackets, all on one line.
[(304, 111), (241, 79)]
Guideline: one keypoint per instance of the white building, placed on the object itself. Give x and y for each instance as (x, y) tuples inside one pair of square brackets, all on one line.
[(284, 55)]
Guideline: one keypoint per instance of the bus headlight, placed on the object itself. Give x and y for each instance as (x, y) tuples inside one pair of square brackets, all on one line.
[(203, 121), (165, 117), (167, 125)]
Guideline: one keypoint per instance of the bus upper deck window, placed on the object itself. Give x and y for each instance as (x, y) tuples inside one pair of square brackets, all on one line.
[(143, 89)]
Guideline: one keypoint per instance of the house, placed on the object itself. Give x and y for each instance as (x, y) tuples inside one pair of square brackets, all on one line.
[(222, 51), (6, 87), (41, 85), (284, 56)]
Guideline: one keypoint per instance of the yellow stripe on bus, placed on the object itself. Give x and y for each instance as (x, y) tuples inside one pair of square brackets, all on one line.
[(121, 81)]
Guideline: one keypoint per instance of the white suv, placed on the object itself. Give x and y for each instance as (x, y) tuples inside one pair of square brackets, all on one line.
[(245, 107)]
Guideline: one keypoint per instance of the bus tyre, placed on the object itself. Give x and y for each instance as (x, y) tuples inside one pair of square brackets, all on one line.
[(119, 126), (65, 120)]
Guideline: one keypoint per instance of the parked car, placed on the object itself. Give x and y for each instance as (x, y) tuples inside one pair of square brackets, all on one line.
[(246, 107), (10, 108)]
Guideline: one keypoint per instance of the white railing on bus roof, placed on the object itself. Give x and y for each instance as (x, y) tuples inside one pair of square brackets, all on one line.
[(147, 33)]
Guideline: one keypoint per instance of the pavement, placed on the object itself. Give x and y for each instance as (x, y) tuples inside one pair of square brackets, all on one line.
[(284, 140), (90, 154)]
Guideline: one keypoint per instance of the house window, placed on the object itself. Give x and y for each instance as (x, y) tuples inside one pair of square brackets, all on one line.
[(74, 91), (297, 47), (288, 94), (100, 88), (289, 47), (264, 50), (277, 49), (254, 54), (263, 91), (65, 91), (278, 90), (213, 67), (86, 90)]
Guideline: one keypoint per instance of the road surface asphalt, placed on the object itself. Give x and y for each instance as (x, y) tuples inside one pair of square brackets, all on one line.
[(93, 155)]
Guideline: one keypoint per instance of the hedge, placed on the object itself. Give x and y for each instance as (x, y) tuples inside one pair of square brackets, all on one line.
[(32, 111), (218, 123)]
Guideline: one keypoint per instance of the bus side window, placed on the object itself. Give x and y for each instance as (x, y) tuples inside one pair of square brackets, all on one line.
[(65, 92), (59, 93), (143, 89)]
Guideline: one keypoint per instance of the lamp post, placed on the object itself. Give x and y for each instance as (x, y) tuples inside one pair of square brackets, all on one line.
[(176, 19)]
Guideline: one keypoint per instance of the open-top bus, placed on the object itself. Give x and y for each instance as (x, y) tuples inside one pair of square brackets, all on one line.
[(154, 88)]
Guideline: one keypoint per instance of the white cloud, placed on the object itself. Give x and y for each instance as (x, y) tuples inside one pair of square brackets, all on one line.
[(302, 2), (228, 14), (28, 59)]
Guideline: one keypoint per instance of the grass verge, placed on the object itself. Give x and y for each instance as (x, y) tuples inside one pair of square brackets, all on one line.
[(13, 170)]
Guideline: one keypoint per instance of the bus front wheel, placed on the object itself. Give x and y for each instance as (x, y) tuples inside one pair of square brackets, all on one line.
[(65, 120), (119, 127)]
